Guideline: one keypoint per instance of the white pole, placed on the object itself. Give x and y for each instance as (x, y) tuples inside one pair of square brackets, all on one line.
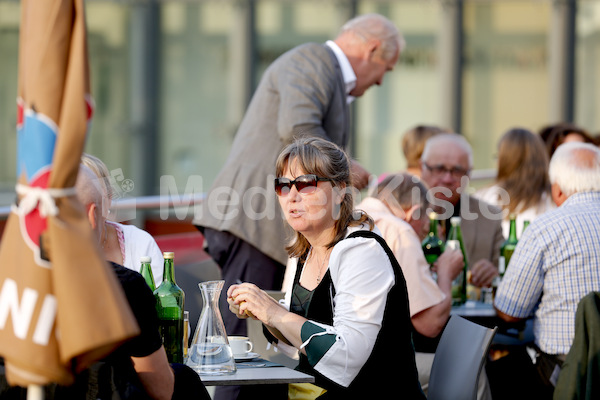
[(35, 392)]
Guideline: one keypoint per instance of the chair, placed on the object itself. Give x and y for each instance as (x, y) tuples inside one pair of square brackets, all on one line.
[(459, 359), (578, 378)]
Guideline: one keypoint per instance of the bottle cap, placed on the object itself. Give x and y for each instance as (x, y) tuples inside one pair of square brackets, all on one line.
[(146, 259), (432, 215), (455, 220), (168, 255)]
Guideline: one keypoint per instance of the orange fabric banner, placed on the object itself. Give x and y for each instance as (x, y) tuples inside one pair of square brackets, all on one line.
[(61, 306)]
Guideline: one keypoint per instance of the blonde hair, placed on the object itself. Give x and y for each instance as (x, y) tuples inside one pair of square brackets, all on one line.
[(414, 140), (324, 159), (101, 170)]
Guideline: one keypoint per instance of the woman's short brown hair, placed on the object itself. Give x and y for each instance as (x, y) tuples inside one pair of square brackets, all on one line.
[(327, 160)]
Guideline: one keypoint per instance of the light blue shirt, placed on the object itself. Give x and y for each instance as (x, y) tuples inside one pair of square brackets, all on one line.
[(556, 263)]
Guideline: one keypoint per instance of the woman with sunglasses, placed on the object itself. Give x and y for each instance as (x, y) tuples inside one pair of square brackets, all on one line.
[(348, 308)]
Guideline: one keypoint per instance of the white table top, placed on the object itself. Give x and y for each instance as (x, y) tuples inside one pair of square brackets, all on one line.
[(474, 309), (258, 376)]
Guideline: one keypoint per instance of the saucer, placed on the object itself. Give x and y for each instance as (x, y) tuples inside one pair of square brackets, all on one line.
[(246, 357)]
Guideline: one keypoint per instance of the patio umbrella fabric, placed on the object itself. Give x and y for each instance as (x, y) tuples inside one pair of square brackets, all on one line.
[(61, 307)]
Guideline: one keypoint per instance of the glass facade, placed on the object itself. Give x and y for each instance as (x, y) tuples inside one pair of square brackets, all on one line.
[(171, 79), (505, 77), (197, 86), (587, 65), (409, 96)]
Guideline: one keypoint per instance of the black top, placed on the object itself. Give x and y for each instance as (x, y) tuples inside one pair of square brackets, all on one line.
[(382, 372), (116, 372), (142, 303)]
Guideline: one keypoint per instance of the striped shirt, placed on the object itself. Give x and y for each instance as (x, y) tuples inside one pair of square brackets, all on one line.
[(556, 263)]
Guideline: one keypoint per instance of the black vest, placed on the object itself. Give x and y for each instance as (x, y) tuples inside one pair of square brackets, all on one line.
[(384, 372)]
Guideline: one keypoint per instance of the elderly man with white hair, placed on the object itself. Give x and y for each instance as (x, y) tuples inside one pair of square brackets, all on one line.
[(555, 264), (446, 165)]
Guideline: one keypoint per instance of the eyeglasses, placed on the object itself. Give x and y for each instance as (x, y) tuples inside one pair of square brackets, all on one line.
[(440, 170), (305, 184)]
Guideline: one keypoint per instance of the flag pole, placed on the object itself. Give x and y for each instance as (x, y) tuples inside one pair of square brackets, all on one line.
[(35, 392)]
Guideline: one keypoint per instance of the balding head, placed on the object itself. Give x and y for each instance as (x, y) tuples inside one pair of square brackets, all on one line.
[(372, 45), (448, 140), (447, 158), (375, 26)]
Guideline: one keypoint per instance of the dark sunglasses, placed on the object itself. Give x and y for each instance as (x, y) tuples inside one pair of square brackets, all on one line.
[(304, 184)]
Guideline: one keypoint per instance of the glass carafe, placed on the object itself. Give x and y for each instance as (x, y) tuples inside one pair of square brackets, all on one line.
[(210, 353)]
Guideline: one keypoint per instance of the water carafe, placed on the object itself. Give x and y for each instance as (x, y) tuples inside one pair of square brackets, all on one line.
[(210, 353)]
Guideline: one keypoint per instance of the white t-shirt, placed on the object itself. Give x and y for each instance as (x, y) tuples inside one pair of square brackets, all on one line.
[(137, 243)]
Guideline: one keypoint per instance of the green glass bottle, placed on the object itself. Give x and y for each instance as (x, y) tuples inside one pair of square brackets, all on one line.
[(508, 247), (170, 301), (455, 242), (432, 245), (525, 225), (146, 272)]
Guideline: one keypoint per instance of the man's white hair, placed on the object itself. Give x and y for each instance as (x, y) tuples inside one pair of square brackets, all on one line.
[(376, 26), (575, 168), (444, 138)]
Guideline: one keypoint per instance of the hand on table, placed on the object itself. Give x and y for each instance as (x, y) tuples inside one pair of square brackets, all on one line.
[(483, 273)]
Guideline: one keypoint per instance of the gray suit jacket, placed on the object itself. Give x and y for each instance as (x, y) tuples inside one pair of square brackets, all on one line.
[(302, 93), (482, 235)]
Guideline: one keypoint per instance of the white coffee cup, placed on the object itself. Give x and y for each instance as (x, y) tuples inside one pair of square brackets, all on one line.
[(240, 345)]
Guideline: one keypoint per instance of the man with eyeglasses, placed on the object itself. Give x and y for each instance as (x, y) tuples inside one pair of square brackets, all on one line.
[(446, 164)]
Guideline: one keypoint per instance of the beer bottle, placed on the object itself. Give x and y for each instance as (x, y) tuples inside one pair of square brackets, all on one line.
[(455, 242), (432, 245), (508, 247), (170, 301), (146, 272), (525, 225)]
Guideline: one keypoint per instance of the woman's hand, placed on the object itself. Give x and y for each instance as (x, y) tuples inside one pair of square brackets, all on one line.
[(235, 308), (449, 264), (247, 300)]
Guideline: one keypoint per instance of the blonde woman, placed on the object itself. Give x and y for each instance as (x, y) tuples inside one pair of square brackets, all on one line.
[(121, 243)]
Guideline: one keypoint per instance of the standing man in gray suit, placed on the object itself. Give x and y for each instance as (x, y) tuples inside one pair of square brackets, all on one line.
[(305, 92)]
